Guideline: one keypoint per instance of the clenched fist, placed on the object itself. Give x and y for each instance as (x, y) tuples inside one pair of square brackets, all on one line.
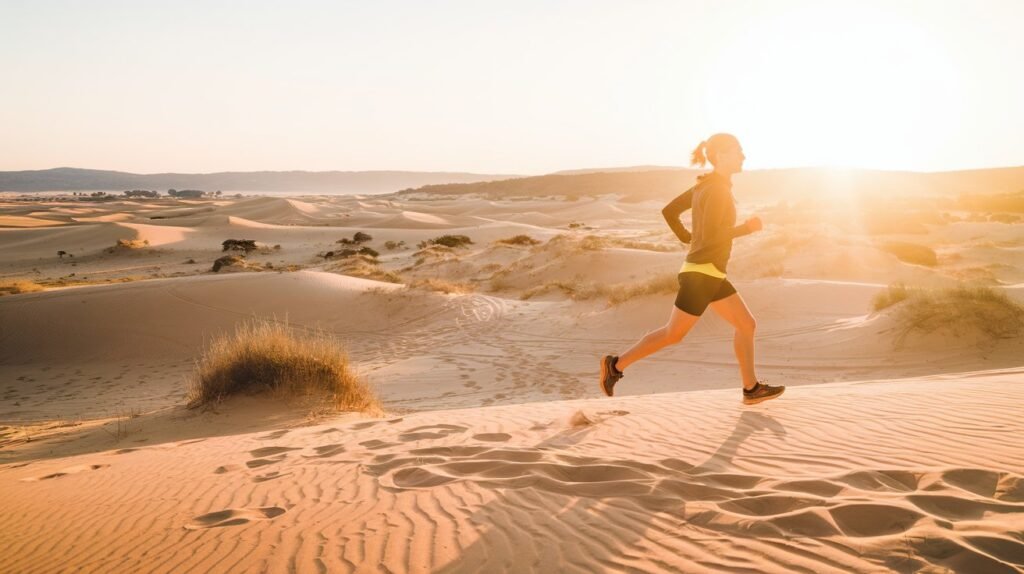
[(754, 224)]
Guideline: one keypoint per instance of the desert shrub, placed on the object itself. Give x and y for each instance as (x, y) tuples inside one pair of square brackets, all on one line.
[(264, 356), (368, 251), (127, 244), (392, 245), (19, 286), (361, 237), (441, 285), (228, 261), (911, 253), (518, 240), (978, 308), (575, 225), (245, 245), (447, 241)]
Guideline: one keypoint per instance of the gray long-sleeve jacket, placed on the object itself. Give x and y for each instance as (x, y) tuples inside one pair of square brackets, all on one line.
[(714, 220)]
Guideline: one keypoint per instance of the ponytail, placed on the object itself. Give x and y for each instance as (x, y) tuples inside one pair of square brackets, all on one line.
[(710, 147), (698, 157)]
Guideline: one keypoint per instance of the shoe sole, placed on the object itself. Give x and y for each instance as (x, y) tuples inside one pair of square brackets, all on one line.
[(604, 377), (747, 401)]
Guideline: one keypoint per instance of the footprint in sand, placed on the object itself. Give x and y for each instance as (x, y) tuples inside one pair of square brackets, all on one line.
[(269, 476), (493, 436), (420, 433), (66, 472), (327, 450), (270, 451), (233, 517)]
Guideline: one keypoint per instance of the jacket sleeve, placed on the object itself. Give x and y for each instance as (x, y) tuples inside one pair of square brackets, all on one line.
[(674, 209), (715, 225)]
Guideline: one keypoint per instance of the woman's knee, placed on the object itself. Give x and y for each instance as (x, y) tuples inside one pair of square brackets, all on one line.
[(747, 325)]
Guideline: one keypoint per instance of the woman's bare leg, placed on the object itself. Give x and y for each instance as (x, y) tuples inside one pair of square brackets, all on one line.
[(679, 324), (734, 310)]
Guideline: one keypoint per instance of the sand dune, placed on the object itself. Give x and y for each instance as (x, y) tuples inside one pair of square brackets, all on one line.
[(845, 477), (892, 449)]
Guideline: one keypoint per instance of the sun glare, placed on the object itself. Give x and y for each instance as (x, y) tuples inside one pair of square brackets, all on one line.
[(840, 86)]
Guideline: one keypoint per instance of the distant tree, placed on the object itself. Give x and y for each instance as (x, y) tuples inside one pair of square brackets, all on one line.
[(61, 253)]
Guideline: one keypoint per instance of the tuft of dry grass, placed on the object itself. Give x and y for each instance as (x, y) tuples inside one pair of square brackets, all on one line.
[(264, 356), (580, 290), (441, 285), (978, 308), (518, 240), (894, 294), (127, 245), (19, 286), (623, 292), (365, 267), (911, 253)]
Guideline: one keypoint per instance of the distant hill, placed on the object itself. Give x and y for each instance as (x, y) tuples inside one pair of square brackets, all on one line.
[(664, 183), (74, 179)]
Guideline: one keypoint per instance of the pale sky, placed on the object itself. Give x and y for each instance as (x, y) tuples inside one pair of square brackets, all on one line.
[(508, 87)]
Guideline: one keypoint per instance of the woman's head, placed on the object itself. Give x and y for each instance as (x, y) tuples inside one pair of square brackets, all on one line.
[(722, 150)]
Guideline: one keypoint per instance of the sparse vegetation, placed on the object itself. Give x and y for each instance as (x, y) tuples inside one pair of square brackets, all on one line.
[(982, 309), (264, 356), (392, 245), (518, 240), (19, 286), (228, 261), (893, 294), (365, 267), (368, 251), (452, 241), (441, 285), (357, 238), (911, 253), (126, 245), (580, 290), (245, 245)]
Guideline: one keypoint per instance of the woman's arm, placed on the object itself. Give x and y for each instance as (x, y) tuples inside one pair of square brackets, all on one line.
[(674, 209)]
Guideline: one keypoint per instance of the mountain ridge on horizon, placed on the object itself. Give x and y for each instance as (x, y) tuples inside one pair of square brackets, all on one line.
[(1006, 179)]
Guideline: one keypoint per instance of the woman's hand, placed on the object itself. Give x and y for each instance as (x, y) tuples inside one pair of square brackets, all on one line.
[(754, 224)]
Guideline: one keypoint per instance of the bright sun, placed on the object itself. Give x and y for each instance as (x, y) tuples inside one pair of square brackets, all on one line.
[(839, 86)]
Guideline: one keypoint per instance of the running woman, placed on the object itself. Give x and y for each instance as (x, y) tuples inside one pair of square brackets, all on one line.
[(702, 279)]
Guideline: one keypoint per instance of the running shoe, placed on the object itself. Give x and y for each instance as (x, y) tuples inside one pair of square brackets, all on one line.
[(761, 392), (609, 374)]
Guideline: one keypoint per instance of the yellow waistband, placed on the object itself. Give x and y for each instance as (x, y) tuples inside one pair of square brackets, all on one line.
[(705, 268)]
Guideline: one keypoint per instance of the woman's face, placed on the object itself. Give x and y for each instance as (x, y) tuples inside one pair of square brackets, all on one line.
[(730, 160)]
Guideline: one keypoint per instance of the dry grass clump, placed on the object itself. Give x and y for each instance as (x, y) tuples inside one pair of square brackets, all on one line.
[(978, 308), (19, 286), (623, 292), (911, 253), (365, 267), (895, 293), (518, 240), (599, 242), (447, 241), (441, 285), (580, 290), (127, 245), (265, 356)]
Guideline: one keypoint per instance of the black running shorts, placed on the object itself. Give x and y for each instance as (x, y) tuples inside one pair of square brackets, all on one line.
[(697, 291)]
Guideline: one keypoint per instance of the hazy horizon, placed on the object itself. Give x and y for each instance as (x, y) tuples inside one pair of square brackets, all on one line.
[(528, 89)]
